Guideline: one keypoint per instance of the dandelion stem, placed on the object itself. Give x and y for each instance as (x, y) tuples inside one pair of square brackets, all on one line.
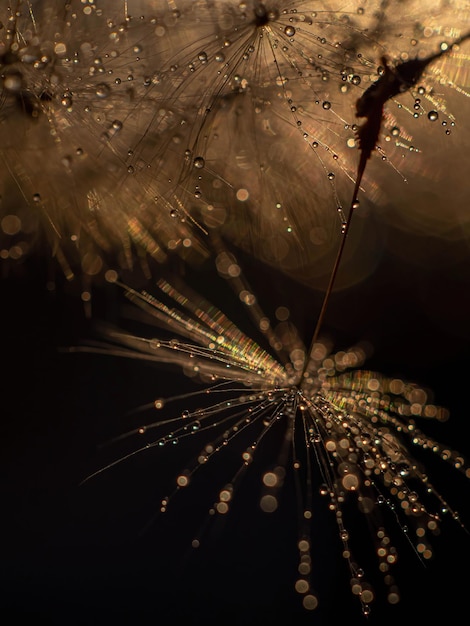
[(339, 255), (370, 106)]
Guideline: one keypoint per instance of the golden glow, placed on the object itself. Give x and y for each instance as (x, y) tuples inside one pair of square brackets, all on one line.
[(268, 503), (269, 161), (302, 586), (182, 480), (310, 602)]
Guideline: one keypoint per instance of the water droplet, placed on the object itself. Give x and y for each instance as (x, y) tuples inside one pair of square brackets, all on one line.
[(326, 105), (365, 609), (310, 602), (66, 100), (199, 162), (13, 81), (289, 31), (102, 90), (11, 224), (182, 480)]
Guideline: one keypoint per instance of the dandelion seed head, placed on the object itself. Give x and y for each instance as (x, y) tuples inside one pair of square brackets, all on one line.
[(243, 123), (345, 433)]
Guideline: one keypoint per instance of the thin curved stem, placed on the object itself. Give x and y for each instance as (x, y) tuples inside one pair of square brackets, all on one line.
[(370, 105), (339, 255)]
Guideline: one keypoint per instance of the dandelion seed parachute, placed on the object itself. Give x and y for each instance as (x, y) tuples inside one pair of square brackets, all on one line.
[(348, 433), (270, 118)]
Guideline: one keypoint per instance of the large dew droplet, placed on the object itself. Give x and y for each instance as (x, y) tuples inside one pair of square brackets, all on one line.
[(102, 90)]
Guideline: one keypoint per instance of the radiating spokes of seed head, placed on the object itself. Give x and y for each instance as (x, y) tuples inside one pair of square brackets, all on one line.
[(345, 435)]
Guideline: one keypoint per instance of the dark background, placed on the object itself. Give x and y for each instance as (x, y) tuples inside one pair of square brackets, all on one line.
[(92, 553)]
